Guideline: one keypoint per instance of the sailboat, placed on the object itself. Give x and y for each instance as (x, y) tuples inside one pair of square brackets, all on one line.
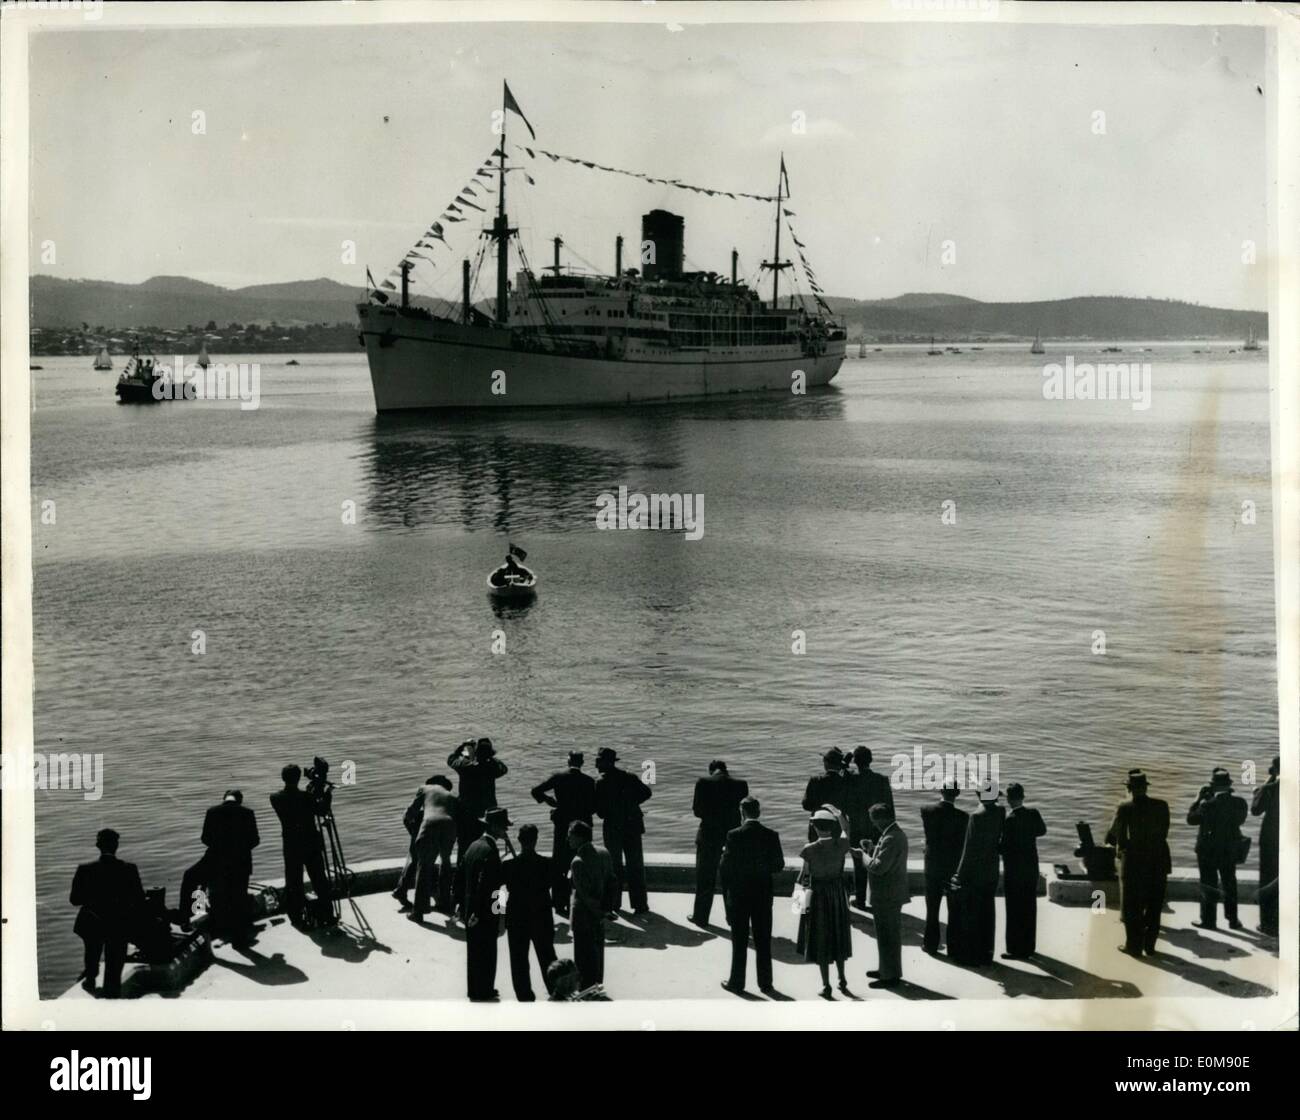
[(103, 360), (1252, 343), (932, 351), (1037, 347), (203, 358)]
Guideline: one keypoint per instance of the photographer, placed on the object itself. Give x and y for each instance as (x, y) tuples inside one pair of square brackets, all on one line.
[(303, 846), (477, 770), (1218, 814)]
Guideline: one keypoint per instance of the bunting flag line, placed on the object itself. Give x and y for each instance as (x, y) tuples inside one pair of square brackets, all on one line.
[(454, 212), (809, 275), (375, 294), (556, 156)]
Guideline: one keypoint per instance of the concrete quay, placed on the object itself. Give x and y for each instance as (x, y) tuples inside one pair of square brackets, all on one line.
[(379, 953)]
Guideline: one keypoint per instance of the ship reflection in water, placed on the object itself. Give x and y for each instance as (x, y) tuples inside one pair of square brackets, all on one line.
[(521, 471)]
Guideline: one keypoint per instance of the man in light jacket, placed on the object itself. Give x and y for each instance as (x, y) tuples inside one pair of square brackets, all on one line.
[(889, 892)]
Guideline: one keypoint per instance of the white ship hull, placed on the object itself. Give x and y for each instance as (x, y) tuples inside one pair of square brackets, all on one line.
[(420, 363)]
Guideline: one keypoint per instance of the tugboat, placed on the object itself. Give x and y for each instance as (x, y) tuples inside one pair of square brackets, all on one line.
[(512, 582), (138, 381)]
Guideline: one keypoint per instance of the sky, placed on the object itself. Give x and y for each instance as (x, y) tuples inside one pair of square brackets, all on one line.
[(962, 158)]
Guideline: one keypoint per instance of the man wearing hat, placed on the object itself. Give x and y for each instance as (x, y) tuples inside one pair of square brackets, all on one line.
[(595, 884), (1140, 835), (830, 787), (230, 835), (717, 805), (945, 833), (482, 907), (109, 893), (619, 797), (1265, 804), (972, 913), (571, 794), (1218, 814), (1019, 847), (477, 770)]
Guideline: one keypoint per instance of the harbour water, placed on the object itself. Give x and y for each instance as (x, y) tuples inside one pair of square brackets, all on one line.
[(370, 639)]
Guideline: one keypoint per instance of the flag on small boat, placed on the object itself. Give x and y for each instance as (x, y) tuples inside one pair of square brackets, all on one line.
[(513, 550)]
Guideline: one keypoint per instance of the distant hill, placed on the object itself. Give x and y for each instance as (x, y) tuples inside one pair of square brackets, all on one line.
[(175, 302), (952, 318)]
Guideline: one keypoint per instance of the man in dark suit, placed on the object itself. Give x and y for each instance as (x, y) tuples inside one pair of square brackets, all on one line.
[(230, 835), (1218, 814), (717, 804), (863, 789), (1265, 804), (571, 794), (750, 857), (482, 907), (303, 846), (1140, 835), (595, 884), (830, 787), (890, 892), (477, 770), (945, 834), (1019, 845), (111, 898), (619, 797), (529, 920)]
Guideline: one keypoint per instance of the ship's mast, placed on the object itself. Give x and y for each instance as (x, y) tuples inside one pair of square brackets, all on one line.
[(501, 230), (776, 264)]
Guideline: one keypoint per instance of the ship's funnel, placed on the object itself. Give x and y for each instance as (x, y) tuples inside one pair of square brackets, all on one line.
[(662, 245)]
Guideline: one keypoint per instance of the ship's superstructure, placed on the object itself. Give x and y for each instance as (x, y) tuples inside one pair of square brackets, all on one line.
[(557, 337)]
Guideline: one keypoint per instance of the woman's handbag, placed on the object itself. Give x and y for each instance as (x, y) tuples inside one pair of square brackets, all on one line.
[(801, 898)]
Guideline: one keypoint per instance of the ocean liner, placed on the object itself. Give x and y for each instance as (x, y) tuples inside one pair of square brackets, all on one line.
[(657, 333)]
